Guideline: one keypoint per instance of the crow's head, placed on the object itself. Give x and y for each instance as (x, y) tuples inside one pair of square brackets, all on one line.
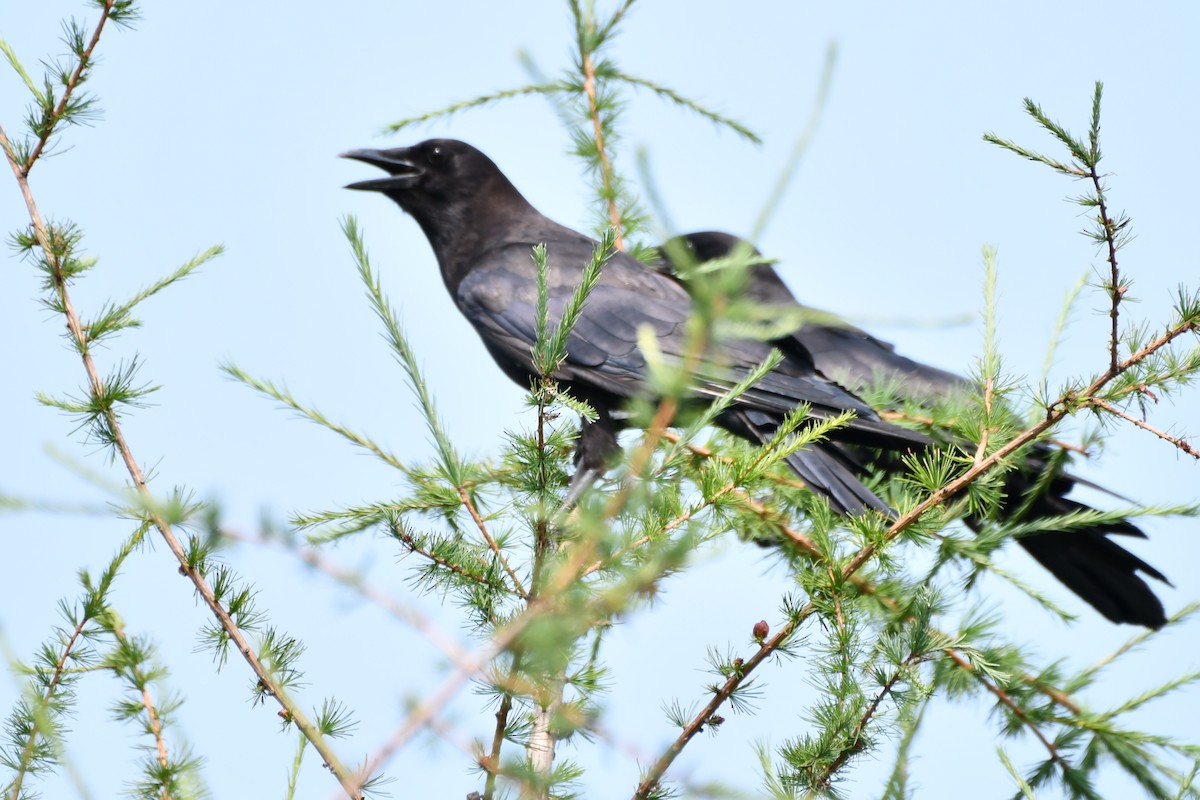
[(458, 196), (438, 171)]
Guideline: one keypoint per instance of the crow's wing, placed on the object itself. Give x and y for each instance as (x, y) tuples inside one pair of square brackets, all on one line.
[(858, 360), (499, 297)]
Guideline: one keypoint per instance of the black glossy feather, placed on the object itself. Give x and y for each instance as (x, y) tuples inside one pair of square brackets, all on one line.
[(1086, 561), (483, 231)]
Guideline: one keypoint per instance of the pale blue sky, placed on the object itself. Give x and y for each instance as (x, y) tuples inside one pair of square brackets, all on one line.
[(223, 125)]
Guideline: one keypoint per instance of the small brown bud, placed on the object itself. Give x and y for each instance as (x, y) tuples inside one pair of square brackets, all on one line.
[(761, 629)]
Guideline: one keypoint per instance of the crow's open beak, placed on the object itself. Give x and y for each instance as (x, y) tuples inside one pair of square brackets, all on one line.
[(402, 172)]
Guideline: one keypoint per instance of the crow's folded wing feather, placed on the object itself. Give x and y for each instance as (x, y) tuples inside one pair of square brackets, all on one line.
[(499, 297)]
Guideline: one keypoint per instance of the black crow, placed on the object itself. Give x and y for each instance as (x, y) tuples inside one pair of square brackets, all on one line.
[(482, 231), (1085, 560)]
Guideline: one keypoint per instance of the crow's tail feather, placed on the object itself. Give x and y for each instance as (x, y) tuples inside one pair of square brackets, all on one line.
[(1101, 572), (1085, 560)]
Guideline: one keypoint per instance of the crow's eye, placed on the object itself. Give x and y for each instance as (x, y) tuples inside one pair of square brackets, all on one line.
[(438, 156)]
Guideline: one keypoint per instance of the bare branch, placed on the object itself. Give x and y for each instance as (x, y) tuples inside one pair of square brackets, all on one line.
[(186, 568), (28, 750), (860, 727), (421, 716), (406, 614), (606, 169), (1012, 706), (465, 496), (1056, 411), (160, 744), (1178, 441), (85, 60)]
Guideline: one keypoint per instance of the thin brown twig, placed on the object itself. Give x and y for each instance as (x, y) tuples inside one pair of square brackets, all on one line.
[(406, 614), (541, 743), (1070, 446), (27, 750), (981, 449), (1116, 291), (837, 604), (85, 59), (491, 761), (156, 729), (98, 390), (433, 704), (706, 452), (1055, 412), (904, 416), (606, 170), (596, 566), (641, 457), (860, 727), (1016, 709), (457, 569), (465, 496), (160, 744), (720, 695), (1178, 441), (1057, 695), (809, 548)]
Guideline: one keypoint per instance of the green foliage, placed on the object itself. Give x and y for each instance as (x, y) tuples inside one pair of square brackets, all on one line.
[(551, 348), (450, 462), (588, 99), (541, 583), (92, 641)]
